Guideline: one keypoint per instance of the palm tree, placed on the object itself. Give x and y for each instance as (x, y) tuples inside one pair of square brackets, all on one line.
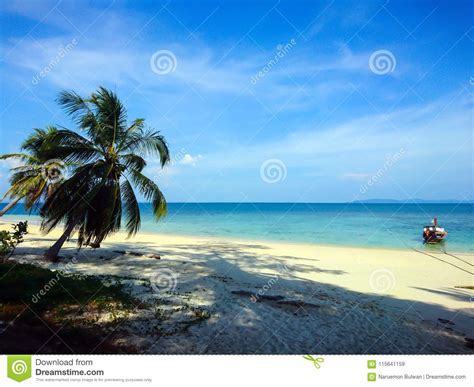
[(36, 177), (109, 161)]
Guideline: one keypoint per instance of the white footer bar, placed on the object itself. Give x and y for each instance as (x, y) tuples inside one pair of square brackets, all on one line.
[(236, 370)]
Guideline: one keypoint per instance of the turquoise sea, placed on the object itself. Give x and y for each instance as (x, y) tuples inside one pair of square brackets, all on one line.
[(354, 224)]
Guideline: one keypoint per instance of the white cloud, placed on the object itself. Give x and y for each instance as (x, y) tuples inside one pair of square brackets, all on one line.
[(363, 142), (200, 68), (190, 160), (355, 176)]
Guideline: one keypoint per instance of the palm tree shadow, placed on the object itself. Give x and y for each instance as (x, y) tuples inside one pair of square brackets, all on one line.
[(454, 294), (260, 304)]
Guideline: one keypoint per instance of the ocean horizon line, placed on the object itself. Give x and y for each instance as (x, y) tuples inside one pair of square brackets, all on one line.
[(368, 201)]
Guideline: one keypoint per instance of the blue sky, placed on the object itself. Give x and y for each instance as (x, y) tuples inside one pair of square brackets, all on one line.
[(288, 86)]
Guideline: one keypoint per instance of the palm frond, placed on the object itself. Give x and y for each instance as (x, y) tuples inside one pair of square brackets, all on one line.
[(148, 143), (150, 191), (131, 160), (26, 158), (35, 142), (112, 115), (68, 201), (131, 207), (80, 110), (103, 215), (70, 146)]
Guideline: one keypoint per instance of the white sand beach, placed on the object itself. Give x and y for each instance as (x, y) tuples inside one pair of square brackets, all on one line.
[(264, 297)]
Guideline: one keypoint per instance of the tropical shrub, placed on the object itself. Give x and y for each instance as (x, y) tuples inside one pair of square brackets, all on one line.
[(10, 239)]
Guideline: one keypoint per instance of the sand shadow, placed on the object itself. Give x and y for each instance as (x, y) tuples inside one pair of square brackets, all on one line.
[(292, 315)]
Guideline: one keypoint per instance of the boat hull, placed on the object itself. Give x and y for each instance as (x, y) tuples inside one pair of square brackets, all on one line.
[(437, 238)]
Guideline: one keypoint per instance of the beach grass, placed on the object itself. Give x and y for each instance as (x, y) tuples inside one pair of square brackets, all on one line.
[(34, 302)]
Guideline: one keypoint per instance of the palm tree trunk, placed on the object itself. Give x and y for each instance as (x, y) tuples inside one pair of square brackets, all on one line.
[(9, 206), (52, 253)]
